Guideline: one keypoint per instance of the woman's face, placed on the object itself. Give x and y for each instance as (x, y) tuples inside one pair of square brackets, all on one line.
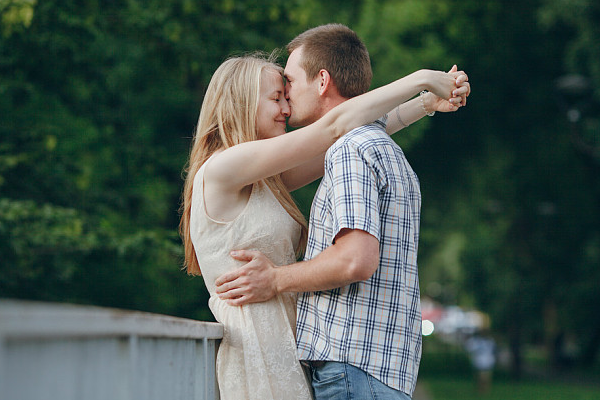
[(273, 108)]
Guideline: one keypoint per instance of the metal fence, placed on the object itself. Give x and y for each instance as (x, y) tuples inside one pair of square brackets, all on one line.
[(67, 352)]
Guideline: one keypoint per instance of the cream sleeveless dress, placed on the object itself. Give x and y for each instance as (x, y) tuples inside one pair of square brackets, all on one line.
[(257, 357)]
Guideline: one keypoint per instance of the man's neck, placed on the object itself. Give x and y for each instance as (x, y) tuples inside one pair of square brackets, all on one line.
[(328, 104)]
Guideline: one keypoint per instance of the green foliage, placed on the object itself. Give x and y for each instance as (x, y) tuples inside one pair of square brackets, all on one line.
[(16, 15), (505, 176), (98, 101), (58, 254), (441, 358)]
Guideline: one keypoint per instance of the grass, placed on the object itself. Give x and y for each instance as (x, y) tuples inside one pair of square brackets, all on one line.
[(446, 374), (463, 388)]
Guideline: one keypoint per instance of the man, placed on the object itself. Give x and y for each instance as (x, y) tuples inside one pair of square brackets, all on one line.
[(359, 318)]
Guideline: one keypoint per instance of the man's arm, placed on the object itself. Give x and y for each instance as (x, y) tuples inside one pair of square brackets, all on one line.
[(353, 257)]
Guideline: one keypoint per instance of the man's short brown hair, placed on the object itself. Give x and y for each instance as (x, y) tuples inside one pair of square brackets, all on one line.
[(337, 49)]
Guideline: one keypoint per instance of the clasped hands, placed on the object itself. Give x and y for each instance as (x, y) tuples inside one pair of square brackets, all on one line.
[(459, 95)]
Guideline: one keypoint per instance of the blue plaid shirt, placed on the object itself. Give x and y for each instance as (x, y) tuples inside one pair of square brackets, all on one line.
[(374, 325)]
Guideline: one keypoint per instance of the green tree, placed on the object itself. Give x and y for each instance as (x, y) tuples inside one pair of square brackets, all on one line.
[(510, 182), (98, 101)]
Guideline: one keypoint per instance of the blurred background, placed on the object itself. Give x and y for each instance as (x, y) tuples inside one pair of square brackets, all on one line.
[(99, 99)]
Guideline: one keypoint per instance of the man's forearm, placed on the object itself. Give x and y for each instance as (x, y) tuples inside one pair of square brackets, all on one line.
[(354, 257), (313, 275)]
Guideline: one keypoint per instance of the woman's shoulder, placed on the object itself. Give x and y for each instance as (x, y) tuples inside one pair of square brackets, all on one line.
[(211, 164)]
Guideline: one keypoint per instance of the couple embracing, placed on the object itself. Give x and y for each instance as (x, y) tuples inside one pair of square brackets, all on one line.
[(345, 322)]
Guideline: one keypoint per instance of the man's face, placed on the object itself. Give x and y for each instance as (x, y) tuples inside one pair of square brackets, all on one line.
[(302, 95)]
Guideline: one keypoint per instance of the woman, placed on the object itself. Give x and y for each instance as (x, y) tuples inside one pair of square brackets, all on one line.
[(235, 197)]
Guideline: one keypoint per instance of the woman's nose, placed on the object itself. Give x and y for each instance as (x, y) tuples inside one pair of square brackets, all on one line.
[(285, 108)]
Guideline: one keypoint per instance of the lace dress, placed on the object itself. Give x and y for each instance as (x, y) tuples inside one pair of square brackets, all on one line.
[(257, 357)]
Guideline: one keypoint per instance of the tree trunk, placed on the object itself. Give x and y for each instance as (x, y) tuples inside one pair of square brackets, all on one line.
[(553, 337), (590, 352), (514, 337)]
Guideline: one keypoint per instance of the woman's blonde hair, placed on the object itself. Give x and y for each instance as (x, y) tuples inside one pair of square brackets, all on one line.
[(228, 118)]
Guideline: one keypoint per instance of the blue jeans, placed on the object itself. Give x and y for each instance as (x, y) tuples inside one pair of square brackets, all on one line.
[(340, 381)]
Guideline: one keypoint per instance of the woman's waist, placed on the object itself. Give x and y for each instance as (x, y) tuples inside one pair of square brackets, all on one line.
[(281, 304), (214, 267)]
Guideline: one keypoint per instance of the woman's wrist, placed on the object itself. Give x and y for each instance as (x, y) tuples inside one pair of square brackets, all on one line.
[(419, 80), (426, 98)]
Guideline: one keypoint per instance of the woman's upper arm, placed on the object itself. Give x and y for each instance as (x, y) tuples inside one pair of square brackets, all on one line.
[(249, 162), (304, 174)]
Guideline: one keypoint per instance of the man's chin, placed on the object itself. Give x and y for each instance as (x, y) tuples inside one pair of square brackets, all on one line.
[(294, 123), (299, 122)]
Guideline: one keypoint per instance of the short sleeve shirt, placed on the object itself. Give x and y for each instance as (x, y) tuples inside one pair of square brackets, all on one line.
[(375, 324)]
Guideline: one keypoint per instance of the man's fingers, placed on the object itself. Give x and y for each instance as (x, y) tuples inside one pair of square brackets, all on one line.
[(240, 255), (232, 293), (251, 283), (244, 255), (240, 301), (227, 278), (225, 285)]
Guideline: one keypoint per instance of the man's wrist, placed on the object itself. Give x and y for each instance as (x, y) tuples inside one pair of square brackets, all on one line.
[(278, 285)]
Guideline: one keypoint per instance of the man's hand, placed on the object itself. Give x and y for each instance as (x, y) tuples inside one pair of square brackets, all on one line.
[(251, 283)]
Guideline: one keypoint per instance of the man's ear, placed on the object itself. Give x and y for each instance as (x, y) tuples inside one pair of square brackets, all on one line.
[(324, 81)]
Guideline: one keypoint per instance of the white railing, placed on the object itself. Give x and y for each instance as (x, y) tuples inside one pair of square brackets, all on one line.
[(67, 352)]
